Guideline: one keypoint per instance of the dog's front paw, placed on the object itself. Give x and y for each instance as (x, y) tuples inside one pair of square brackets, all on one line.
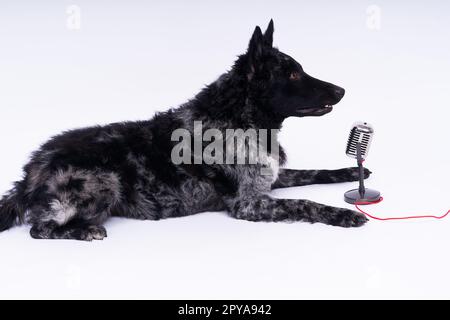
[(353, 173), (348, 218)]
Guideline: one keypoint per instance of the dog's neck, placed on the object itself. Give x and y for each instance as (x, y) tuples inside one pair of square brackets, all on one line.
[(228, 100)]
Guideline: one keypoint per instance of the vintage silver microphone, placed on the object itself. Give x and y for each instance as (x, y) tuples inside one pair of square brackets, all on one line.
[(358, 147)]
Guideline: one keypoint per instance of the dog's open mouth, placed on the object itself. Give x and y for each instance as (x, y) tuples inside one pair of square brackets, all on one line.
[(315, 111)]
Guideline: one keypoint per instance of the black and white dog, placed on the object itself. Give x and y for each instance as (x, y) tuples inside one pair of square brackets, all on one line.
[(78, 179)]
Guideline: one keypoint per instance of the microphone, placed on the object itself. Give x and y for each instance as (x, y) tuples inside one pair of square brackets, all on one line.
[(358, 145), (362, 133)]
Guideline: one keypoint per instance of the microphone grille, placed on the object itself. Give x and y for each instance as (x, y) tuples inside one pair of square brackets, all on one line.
[(361, 132)]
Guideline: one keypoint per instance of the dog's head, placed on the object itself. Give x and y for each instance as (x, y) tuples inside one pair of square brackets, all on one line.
[(285, 87)]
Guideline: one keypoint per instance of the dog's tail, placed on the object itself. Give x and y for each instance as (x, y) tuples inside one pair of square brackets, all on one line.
[(11, 209)]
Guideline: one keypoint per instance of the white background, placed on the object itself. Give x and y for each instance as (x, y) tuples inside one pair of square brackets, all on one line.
[(133, 58)]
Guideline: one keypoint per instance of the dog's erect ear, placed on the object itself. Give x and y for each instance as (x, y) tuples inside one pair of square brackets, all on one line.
[(256, 45), (255, 52), (268, 35), (259, 45)]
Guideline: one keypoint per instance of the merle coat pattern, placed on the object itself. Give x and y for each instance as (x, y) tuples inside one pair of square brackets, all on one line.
[(78, 179)]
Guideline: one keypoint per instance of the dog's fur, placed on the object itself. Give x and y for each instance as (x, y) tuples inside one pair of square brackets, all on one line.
[(78, 179)]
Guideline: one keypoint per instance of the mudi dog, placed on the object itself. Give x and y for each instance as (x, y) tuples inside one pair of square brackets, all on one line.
[(78, 179)]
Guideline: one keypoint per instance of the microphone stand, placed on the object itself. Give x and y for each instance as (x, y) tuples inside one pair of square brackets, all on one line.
[(362, 195), (359, 159)]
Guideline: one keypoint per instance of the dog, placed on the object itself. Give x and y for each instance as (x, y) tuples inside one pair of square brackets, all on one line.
[(80, 178)]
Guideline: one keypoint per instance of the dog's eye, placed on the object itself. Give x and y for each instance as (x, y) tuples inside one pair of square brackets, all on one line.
[(294, 76)]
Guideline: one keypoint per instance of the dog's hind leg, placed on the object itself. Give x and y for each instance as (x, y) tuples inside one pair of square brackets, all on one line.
[(74, 204), (75, 230), (292, 178), (66, 219)]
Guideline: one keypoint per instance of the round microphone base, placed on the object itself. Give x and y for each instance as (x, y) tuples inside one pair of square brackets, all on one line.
[(370, 196)]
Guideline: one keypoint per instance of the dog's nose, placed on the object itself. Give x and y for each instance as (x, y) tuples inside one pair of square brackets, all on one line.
[(339, 92)]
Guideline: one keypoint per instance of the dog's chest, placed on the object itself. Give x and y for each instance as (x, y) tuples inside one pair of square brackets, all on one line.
[(270, 167)]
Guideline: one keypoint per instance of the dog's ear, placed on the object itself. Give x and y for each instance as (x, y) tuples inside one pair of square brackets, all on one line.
[(255, 52), (256, 45), (268, 35)]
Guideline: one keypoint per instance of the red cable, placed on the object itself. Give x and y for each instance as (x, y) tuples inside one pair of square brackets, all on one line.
[(396, 218)]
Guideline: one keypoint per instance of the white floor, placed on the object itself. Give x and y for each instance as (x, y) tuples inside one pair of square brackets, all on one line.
[(211, 256), (126, 62)]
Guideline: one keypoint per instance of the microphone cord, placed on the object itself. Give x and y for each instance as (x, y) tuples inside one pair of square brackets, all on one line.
[(357, 204)]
